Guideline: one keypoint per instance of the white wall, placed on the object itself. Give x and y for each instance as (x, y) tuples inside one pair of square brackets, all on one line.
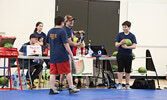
[(18, 18), (148, 19)]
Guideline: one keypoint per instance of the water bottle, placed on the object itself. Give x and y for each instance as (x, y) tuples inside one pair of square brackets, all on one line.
[(82, 37), (78, 52), (90, 51), (84, 51), (79, 49)]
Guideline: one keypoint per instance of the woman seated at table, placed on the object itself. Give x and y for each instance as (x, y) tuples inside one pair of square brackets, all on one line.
[(35, 68)]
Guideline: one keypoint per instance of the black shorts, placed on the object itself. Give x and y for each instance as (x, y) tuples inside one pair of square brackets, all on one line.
[(124, 62)]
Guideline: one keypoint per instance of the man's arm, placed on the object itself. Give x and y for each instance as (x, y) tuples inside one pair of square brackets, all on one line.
[(66, 45), (73, 43)]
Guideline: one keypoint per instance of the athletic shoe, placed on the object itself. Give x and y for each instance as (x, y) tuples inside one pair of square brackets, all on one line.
[(60, 87), (53, 91), (73, 90), (127, 86), (29, 84), (119, 86)]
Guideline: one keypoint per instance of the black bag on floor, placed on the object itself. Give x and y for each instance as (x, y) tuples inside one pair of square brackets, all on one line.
[(142, 83)]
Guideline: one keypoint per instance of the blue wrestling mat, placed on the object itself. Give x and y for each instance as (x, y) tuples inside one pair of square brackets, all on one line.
[(85, 94)]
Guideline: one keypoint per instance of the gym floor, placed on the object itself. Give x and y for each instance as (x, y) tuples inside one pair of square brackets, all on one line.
[(86, 93)]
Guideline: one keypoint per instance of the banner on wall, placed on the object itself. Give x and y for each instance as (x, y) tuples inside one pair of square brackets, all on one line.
[(84, 66)]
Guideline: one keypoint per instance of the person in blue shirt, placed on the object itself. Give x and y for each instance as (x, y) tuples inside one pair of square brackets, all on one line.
[(69, 23), (59, 59), (41, 41), (41, 35), (124, 56), (35, 68)]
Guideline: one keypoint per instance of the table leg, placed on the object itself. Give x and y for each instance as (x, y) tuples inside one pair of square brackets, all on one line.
[(10, 73), (29, 72), (19, 73), (112, 71)]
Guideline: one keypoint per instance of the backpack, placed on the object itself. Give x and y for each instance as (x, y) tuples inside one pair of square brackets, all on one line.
[(111, 82)]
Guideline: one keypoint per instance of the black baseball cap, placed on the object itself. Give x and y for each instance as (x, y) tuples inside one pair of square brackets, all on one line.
[(33, 36)]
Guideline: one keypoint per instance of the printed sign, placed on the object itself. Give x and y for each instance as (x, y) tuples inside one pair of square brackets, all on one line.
[(84, 67), (32, 50)]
